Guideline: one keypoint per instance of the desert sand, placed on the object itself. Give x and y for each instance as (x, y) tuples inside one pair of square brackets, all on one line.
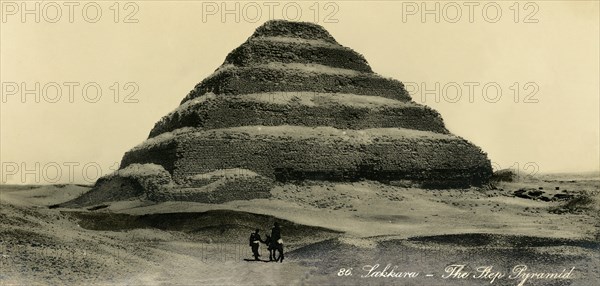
[(325, 226)]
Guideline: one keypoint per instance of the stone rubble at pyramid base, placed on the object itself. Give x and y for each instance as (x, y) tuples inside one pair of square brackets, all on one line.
[(224, 186)]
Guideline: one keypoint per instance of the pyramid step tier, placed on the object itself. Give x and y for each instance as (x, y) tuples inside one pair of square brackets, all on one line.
[(303, 153), (266, 50), (278, 77), (343, 111)]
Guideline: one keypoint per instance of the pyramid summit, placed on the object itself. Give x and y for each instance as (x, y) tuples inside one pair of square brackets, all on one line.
[(301, 30), (287, 105)]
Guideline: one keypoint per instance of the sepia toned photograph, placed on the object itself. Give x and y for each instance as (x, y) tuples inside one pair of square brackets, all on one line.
[(300, 142)]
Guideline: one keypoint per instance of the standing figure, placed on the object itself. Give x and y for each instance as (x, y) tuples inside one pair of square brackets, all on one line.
[(276, 237), (271, 245), (255, 241)]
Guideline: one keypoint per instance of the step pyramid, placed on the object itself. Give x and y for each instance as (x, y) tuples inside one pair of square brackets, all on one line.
[(292, 104)]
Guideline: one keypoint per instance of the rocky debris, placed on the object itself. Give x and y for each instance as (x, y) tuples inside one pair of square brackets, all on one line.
[(542, 195), (563, 197), (504, 175), (577, 203)]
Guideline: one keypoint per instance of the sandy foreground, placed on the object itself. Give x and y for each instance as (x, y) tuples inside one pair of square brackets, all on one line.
[(334, 233)]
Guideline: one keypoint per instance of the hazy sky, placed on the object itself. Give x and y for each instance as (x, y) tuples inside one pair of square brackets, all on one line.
[(553, 59)]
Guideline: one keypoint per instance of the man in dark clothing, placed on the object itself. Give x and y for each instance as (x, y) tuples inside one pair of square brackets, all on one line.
[(276, 237), (255, 241)]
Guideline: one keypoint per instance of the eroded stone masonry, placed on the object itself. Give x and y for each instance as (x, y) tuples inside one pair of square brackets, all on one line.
[(291, 104)]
